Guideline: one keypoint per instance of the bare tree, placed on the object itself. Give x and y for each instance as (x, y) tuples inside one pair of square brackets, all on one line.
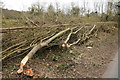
[(75, 11), (2, 4)]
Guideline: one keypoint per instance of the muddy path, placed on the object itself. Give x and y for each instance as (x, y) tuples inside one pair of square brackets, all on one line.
[(112, 69)]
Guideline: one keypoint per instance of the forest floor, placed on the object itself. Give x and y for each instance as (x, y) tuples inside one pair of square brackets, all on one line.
[(81, 61)]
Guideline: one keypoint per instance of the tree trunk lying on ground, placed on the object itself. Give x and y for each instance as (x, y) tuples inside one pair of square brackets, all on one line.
[(46, 43), (68, 37), (37, 47), (21, 28)]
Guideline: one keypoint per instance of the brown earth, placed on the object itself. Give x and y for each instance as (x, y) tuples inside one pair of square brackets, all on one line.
[(76, 62)]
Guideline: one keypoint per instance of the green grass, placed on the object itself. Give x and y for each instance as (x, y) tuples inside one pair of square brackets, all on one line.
[(90, 19), (10, 23)]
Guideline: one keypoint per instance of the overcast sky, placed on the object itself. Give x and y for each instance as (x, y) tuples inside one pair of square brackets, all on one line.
[(21, 5)]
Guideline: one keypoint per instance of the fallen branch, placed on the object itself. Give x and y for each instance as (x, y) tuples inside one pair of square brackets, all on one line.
[(86, 35), (83, 38), (65, 44), (68, 37), (77, 31), (15, 51), (34, 27), (15, 28), (74, 43), (13, 46)]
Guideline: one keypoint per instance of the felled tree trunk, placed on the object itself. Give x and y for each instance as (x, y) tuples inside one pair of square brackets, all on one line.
[(37, 47), (65, 44)]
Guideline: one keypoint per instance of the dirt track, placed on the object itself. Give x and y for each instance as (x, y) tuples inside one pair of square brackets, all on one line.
[(112, 69)]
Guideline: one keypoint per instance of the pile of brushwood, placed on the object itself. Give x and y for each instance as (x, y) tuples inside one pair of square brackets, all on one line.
[(17, 41)]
